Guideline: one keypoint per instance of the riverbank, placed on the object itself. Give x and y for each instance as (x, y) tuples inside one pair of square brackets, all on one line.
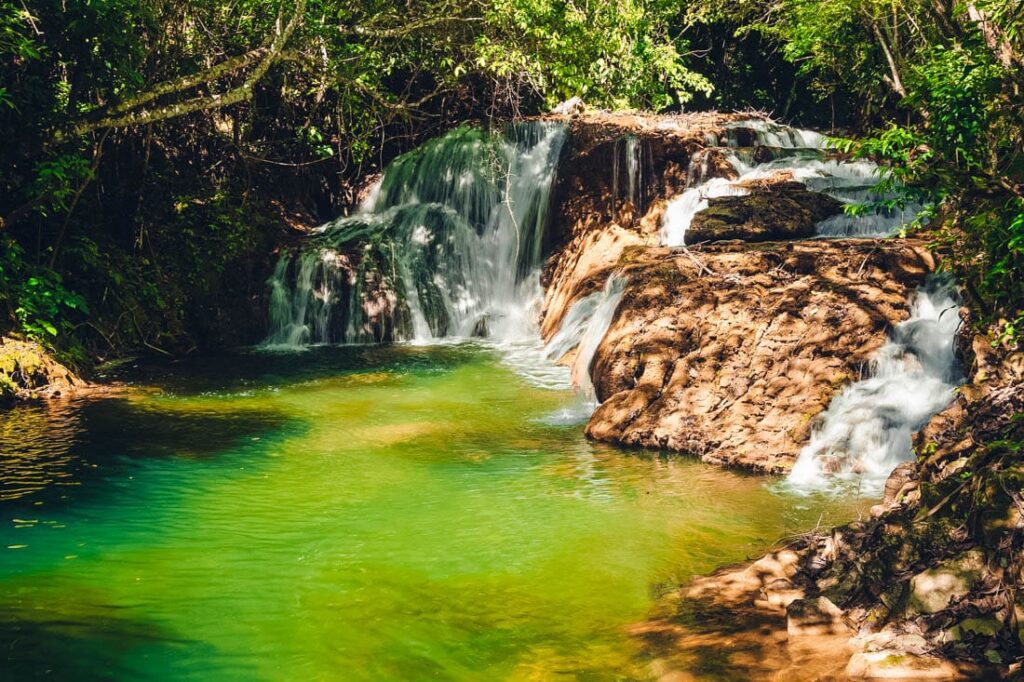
[(28, 371), (928, 586)]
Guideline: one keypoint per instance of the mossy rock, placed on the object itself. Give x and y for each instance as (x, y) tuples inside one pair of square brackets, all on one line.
[(27, 370), (932, 590)]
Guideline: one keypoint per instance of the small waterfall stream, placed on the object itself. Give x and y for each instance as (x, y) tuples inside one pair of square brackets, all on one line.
[(866, 430), (802, 156), (585, 324)]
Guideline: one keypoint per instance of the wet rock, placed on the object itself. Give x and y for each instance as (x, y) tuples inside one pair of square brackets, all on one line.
[(775, 211), (729, 353)]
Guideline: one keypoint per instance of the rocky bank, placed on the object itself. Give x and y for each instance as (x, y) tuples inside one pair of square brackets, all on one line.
[(730, 350), (28, 371), (929, 586), (727, 350)]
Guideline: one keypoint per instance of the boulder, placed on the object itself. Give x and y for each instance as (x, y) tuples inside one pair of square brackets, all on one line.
[(28, 371), (933, 589), (775, 211), (814, 617)]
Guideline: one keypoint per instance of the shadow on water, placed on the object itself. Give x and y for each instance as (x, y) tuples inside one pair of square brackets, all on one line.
[(254, 369), (61, 450), (44, 644)]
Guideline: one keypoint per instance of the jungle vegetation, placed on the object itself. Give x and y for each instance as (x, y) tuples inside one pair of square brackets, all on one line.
[(153, 148)]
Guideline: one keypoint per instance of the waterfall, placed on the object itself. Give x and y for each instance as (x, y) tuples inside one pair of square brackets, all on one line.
[(866, 430), (584, 326), (449, 244), (633, 170), (632, 151), (800, 154)]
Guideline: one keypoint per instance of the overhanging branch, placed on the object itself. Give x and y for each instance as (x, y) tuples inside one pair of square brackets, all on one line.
[(128, 113)]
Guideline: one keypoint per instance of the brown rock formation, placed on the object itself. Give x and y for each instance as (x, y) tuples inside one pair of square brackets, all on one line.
[(729, 353), (28, 371), (593, 222)]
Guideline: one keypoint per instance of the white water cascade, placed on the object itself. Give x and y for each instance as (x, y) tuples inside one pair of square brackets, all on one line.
[(448, 246), (866, 430), (800, 154), (584, 326)]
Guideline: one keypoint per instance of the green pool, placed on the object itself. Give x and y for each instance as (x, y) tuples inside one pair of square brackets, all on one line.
[(348, 514)]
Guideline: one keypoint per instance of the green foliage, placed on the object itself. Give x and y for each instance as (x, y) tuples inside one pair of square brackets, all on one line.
[(35, 298), (617, 54), (170, 211), (56, 180)]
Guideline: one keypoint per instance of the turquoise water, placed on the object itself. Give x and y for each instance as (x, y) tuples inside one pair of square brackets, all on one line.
[(348, 513)]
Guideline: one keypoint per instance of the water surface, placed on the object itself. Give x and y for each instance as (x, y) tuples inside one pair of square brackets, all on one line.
[(349, 513)]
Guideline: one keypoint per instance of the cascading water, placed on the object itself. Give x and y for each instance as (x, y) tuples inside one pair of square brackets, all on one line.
[(584, 326), (593, 332), (801, 155), (866, 430), (634, 192), (448, 245), (633, 170)]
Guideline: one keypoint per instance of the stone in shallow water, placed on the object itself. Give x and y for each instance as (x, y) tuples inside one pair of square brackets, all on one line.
[(784, 210)]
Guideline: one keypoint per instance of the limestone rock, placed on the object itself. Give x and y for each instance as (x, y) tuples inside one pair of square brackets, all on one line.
[(729, 353), (932, 590)]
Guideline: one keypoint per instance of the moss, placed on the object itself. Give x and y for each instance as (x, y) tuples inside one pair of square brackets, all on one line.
[(25, 367), (984, 627)]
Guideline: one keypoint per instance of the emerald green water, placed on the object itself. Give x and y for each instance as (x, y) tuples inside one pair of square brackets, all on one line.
[(349, 514)]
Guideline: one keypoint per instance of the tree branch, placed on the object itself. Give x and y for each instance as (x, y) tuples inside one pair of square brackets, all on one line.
[(190, 81), (130, 115), (893, 79)]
